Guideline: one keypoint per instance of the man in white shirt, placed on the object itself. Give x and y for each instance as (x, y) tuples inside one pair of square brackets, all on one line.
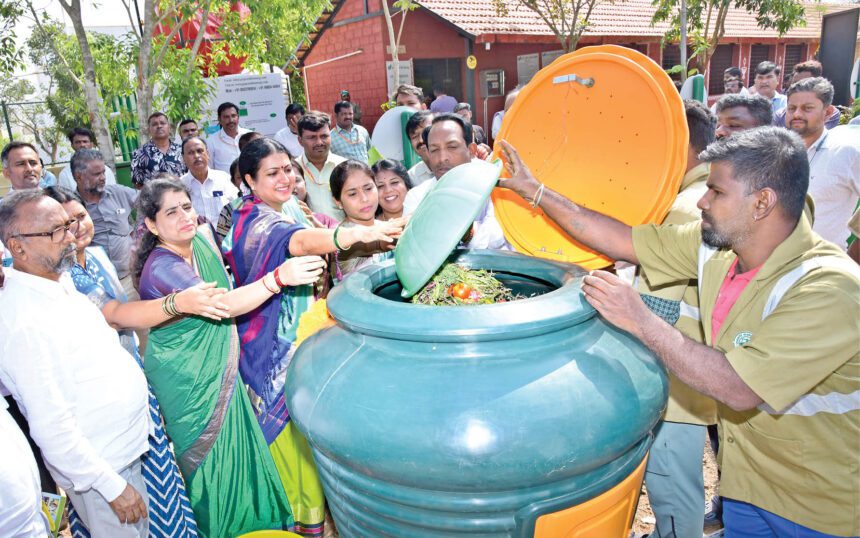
[(318, 162), (210, 189), (187, 127), (767, 83), (83, 395), (20, 495), (223, 145), (809, 69), (79, 138), (289, 135), (416, 124), (449, 144), (834, 158)]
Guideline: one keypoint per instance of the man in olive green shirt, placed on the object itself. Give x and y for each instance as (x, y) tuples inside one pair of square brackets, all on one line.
[(674, 473), (780, 308)]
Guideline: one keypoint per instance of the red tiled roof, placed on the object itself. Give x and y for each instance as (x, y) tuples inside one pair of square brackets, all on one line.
[(622, 18)]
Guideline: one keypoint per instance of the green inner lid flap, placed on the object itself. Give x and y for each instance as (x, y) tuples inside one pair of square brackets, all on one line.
[(441, 220)]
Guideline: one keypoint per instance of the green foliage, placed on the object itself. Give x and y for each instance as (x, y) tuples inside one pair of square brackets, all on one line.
[(50, 47), (183, 93), (15, 90), (706, 21), (408, 5), (849, 112), (781, 15), (269, 34), (677, 69), (11, 56), (297, 88), (272, 31), (568, 19)]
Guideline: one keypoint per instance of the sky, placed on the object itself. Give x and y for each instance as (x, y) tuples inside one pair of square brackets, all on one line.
[(98, 13), (108, 16)]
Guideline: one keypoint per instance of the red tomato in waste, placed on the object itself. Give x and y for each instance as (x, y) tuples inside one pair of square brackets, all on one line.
[(460, 291)]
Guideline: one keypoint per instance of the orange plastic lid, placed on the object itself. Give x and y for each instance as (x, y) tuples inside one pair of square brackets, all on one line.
[(618, 146)]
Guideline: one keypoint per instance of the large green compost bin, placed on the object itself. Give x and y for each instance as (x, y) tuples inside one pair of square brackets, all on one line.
[(471, 421)]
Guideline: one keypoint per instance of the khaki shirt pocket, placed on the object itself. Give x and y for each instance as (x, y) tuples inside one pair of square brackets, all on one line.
[(771, 457)]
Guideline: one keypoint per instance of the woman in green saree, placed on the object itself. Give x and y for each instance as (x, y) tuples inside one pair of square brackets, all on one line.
[(192, 365)]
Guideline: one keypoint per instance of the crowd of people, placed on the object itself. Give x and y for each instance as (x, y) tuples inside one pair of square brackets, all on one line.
[(145, 332)]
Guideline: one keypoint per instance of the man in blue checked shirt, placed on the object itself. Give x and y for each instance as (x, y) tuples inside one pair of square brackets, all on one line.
[(349, 140)]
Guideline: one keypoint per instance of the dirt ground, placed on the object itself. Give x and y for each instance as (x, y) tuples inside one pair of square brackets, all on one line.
[(644, 521)]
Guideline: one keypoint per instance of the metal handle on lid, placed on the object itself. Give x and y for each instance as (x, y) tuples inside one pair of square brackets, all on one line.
[(573, 77)]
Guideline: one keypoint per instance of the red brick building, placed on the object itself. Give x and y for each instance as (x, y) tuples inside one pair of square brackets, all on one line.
[(350, 48)]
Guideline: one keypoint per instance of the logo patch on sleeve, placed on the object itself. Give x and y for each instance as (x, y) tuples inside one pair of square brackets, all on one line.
[(742, 338)]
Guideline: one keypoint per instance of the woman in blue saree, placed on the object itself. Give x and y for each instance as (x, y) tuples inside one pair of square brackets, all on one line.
[(260, 239)]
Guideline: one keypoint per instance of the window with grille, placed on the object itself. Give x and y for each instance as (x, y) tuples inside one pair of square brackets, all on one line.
[(758, 54), (720, 61), (672, 57), (794, 54), (641, 47)]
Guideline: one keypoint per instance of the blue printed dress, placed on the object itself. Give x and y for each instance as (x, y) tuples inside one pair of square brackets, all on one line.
[(169, 511)]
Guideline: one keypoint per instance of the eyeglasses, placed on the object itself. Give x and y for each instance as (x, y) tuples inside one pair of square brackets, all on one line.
[(58, 233)]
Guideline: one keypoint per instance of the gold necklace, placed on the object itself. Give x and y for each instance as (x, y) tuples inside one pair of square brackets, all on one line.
[(186, 259)]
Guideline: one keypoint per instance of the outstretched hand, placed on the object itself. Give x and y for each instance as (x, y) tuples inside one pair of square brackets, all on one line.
[(521, 180), (384, 232), (616, 301), (203, 299), (301, 270)]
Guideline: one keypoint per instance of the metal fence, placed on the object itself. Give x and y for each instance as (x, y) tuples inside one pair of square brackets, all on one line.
[(31, 121)]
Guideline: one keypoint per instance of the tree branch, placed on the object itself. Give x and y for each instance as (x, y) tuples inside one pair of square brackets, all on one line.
[(59, 54), (135, 28), (164, 16), (707, 23), (165, 46), (532, 5), (403, 13), (201, 33), (591, 5), (390, 25), (720, 26)]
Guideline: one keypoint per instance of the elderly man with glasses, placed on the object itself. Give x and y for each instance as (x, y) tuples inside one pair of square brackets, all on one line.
[(84, 396)]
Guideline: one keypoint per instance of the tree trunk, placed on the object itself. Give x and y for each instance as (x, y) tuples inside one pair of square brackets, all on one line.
[(144, 65), (99, 122), (704, 58), (395, 62)]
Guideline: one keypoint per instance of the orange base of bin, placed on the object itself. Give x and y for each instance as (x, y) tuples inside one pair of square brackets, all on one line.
[(606, 516)]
